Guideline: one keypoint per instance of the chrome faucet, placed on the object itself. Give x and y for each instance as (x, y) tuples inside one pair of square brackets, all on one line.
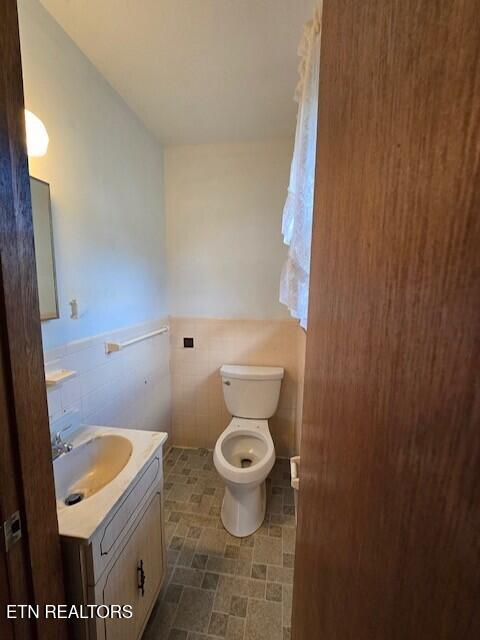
[(59, 446)]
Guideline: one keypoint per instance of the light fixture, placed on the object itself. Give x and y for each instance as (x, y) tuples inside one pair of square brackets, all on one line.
[(37, 136)]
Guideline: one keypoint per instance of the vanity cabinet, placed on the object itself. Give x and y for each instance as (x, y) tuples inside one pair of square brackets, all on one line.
[(123, 563), (135, 576)]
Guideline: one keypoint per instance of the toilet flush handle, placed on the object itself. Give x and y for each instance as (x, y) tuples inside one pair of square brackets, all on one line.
[(227, 382)]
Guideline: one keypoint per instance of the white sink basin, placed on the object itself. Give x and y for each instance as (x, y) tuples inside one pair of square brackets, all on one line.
[(103, 464), (90, 466)]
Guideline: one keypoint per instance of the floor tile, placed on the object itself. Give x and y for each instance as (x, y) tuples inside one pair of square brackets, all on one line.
[(275, 531), (243, 568), (279, 574), (276, 504), (245, 553), (190, 577), (160, 621), (210, 581), (288, 496), (238, 606), (259, 571), (235, 628), (187, 553), (194, 609), (283, 520), (256, 589), (229, 586), (247, 542), (231, 551), (218, 624), (214, 579), (288, 559), (172, 556), (273, 591), (199, 561), (212, 542), (288, 540), (264, 620), (182, 529), (221, 565), (268, 551), (176, 543), (173, 593), (180, 493), (287, 604)]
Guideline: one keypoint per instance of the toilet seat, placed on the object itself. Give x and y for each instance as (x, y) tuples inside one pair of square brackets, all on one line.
[(249, 439)]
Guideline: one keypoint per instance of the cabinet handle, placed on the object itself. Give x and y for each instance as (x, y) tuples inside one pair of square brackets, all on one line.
[(141, 577)]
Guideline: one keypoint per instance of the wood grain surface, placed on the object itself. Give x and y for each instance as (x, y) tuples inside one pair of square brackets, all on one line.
[(388, 544), (23, 377)]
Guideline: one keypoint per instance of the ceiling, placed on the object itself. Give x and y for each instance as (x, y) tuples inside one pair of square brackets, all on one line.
[(195, 70)]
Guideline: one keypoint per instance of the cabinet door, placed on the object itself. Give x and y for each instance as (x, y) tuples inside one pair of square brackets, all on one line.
[(122, 583), (150, 551)]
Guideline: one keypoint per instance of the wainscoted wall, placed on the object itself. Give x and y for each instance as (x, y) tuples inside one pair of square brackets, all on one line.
[(224, 206), (302, 343), (129, 388), (199, 414)]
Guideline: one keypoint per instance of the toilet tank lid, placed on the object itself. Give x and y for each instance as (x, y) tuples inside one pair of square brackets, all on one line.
[(244, 372)]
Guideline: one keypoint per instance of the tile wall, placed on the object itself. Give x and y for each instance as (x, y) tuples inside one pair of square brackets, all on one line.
[(199, 414), (129, 388), (302, 343), (159, 384)]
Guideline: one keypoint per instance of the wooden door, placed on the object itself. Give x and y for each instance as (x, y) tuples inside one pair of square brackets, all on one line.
[(388, 544), (33, 565)]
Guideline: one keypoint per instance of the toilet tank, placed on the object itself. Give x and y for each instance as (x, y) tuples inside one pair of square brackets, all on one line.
[(251, 392)]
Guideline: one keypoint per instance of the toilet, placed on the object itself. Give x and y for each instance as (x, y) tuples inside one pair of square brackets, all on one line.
[(244, 453)]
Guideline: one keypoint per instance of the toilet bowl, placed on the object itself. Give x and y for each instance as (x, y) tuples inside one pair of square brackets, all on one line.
[(244, 453), (244, 456)]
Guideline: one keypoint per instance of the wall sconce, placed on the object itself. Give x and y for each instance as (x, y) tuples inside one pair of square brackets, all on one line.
[(37, 136)]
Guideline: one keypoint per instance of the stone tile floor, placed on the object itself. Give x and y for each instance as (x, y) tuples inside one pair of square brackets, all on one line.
[(219, 586)]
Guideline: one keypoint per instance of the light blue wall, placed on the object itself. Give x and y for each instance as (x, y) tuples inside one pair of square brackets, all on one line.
[(106, 176)]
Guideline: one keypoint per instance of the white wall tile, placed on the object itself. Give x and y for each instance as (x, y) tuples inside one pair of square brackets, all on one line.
[(54, 399), (130, 388)]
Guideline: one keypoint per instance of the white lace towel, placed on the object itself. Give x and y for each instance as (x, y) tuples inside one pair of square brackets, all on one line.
[(298, 210)]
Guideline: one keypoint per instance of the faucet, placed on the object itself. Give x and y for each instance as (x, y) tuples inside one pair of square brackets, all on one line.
[(59, 447)]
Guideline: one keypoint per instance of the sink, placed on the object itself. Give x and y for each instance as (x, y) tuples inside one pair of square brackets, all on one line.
[(102, 467), (89, 467)]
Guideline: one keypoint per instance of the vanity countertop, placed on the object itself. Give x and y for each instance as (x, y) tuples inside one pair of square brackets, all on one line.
[(80, 521)]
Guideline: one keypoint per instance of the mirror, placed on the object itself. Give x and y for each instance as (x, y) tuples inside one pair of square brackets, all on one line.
[(45, 259)]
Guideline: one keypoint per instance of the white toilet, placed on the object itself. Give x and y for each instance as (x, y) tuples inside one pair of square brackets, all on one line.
[(244, 453)]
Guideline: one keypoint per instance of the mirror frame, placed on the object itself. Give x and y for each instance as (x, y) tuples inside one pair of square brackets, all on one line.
[(56, 314)]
